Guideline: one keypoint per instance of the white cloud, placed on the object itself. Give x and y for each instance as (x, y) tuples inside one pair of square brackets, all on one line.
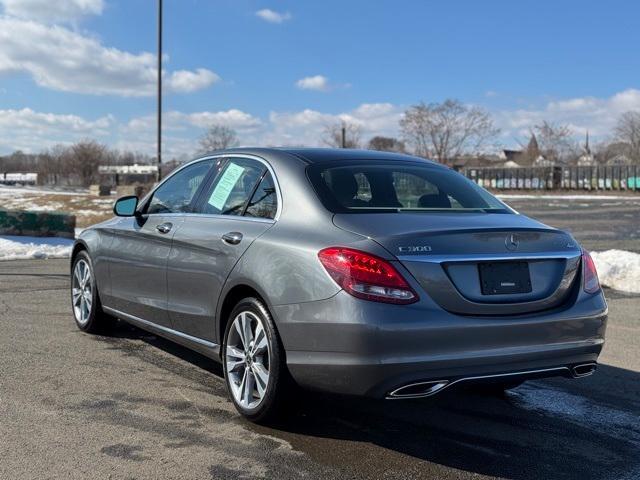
[(316, 82), (32, 131), (181, 131), (60, 59), (598, 115), (319, 83), (185, 81), (176, 121), (272, 16), (50, 11), (306, 127)]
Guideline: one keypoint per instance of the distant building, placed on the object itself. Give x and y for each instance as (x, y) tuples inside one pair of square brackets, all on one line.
[(620, 159), (528, 156), (586, 159), (510, 164), (512, 155), (480, 160), (128, 169), (127, 174), (541, 161), (18, 178)]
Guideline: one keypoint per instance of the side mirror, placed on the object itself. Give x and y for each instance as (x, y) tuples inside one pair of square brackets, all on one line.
[(126, 206)]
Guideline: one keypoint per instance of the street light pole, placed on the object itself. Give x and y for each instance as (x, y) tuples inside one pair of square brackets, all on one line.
[(159, 133)]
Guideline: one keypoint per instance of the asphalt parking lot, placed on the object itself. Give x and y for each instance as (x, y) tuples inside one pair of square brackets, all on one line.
[(131, 405), (612, 221)]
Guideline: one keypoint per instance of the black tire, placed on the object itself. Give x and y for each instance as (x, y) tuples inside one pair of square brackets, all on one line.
[(279, 383), (97, 320)]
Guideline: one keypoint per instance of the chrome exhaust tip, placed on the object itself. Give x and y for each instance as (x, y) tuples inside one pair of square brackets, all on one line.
[(418, 390), (583, 370)]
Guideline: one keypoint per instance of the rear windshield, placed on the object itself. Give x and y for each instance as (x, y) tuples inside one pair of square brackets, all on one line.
[(394, 186)]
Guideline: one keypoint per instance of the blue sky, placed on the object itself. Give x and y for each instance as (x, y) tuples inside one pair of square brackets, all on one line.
[(279, 71)]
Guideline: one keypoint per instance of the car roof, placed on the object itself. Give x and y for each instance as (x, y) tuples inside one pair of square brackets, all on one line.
[(321, 155)]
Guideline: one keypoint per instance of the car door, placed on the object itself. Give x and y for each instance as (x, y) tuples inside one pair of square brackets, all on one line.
[(141, 247), (235, 208)]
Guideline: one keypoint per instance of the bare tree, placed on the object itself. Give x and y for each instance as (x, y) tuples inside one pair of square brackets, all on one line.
[(127, 157), (386, 144), (84, 158), (52, 166), (556, 142), (333, 135), (627, 131), (218, 137), (75, 164), (446, 130)]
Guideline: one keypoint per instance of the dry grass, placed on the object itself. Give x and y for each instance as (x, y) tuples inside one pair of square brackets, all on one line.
[(88, 209)]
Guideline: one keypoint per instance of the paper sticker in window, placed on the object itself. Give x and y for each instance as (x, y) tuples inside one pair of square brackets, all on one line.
[(225, 185)]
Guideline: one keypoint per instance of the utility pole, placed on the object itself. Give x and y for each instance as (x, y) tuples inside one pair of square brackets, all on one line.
[(159, 140), (344, 136)]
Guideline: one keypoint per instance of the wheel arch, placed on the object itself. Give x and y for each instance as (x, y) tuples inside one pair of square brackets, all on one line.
[(78, 246), (231, 297), (90, 244)]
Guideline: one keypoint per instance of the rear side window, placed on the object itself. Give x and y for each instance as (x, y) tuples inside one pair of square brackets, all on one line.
[(394, 186), (264, 202), (177, 193)]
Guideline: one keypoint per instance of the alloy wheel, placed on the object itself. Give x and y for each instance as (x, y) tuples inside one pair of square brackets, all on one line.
[(82, 292), (247, 360)]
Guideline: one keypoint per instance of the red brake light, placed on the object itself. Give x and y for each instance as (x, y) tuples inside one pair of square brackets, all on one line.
[(366, 276), (590, 281)]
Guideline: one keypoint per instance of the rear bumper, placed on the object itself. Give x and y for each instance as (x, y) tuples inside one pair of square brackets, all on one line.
[(351, 346)]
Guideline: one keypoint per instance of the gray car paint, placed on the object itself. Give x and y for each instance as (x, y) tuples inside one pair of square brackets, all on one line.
[(336, 342), (138, 267), (198, 266)]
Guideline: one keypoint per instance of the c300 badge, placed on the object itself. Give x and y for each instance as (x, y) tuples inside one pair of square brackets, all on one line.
[(415, 249)]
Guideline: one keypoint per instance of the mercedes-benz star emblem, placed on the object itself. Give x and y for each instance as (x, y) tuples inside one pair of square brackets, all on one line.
[(511, 242)]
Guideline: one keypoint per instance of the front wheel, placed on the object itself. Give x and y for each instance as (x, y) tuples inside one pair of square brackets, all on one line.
[(253, 362), (85, 301)]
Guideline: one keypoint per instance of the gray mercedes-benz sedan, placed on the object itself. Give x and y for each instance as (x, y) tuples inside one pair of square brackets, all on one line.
[(346, 271)]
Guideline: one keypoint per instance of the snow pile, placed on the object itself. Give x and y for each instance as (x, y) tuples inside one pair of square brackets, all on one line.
[(23, 248), (618, 269)]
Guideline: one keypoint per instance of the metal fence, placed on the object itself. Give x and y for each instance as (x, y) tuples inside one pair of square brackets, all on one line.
[(604, 177)]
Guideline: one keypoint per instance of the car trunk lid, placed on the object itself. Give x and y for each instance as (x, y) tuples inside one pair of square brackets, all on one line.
[(477, 263)]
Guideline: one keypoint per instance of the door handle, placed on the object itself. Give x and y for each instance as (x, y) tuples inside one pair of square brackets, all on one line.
[(232, 238), (164, 227)]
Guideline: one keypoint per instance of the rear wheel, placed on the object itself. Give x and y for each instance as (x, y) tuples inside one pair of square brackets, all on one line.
[(253, 362), (85, 301)]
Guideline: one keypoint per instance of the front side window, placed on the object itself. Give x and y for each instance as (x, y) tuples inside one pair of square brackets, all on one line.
[(233, 187), (177, 193), (393, 186)]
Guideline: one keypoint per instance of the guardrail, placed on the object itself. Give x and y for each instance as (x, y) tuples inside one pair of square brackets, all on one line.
[(604, 177)]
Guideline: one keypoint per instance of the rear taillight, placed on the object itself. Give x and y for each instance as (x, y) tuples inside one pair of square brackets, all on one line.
[(366, 276), (590, 281)]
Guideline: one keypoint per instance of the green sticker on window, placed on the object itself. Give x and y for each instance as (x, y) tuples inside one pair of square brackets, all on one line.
[(224, 186)]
